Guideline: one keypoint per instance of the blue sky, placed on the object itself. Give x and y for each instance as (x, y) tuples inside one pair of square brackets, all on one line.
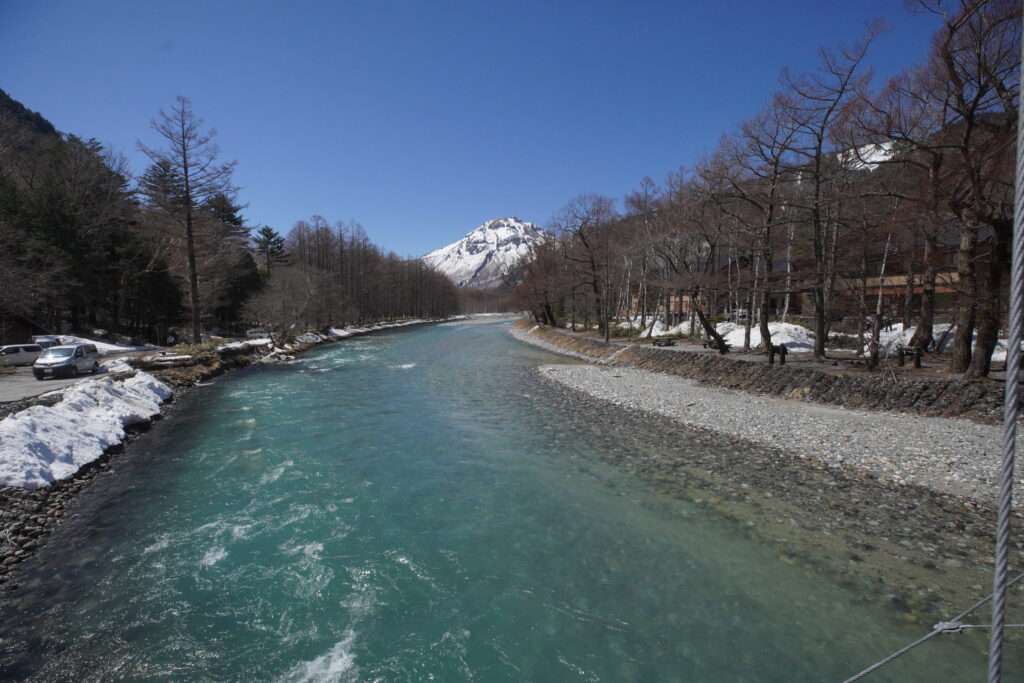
[(423, 119)]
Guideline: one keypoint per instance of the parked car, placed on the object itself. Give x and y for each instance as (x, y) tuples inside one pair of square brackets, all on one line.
[(68, 360), (46, 340), (19, 354)]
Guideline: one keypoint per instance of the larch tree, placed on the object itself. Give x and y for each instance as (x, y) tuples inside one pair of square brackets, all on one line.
[(813, 104), (191, 159), (975, 64)]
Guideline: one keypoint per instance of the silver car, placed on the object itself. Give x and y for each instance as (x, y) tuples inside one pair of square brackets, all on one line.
[(68, 360), (19, 354)]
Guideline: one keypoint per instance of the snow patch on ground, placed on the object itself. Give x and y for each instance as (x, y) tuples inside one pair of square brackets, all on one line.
[(310, 338), (104, 348), (893, 336), (652, 327), (116, 365), (797, 339), (245, 345), (44, 444), (659, 329)]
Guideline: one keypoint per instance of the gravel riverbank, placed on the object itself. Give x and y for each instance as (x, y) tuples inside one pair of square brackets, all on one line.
[(946, 455), (895, 507)]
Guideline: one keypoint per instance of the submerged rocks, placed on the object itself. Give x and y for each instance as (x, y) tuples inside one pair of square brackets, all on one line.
[(866, 532), (27, 516), (896, 507), (951, 456)]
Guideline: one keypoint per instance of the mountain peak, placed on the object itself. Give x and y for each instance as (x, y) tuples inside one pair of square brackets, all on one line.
[(488, 254)]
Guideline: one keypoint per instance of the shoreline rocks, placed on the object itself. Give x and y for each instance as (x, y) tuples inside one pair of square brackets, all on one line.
[(952, 456), (921, 547)]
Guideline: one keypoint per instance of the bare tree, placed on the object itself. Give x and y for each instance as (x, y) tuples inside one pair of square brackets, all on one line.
[(587, 220), (814, 103), (752, 168), (975, 64), (196, 176)]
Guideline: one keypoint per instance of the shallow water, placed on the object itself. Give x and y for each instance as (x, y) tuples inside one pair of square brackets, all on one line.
[(420, 505)]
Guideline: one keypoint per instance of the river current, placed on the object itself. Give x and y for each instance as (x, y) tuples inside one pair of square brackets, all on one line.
[(421, 505)]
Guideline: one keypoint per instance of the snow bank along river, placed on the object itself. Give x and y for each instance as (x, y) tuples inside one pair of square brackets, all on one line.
[(44, 444), (423, 505)]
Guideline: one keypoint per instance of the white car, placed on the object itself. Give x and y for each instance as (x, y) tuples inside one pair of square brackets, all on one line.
[(19, 354), (69, 360)]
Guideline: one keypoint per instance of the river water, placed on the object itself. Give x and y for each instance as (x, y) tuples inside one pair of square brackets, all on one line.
[(420, 505)]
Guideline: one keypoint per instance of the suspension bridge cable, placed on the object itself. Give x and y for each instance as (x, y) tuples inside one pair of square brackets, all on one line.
[(1010, 412), (954, 625)]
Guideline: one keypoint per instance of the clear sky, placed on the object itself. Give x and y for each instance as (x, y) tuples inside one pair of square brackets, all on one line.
[(423, 119)]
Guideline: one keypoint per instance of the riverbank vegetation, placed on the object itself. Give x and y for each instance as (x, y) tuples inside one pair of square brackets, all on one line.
[(169, 255), (842, 204)]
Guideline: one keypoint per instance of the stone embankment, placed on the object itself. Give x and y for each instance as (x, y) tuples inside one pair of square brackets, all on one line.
[(981, 401)]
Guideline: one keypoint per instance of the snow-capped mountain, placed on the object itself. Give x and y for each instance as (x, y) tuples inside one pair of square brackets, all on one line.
[(487, 255)]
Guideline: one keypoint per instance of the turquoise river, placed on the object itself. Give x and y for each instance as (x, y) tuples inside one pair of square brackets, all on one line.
[(421, 505)]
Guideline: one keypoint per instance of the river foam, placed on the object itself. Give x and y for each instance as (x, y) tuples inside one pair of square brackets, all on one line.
[(337, 664)]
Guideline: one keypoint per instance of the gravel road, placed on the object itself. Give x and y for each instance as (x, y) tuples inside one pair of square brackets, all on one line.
[(948, 455)]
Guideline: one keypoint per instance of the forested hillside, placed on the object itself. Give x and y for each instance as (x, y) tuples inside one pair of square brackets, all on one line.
[(87, 245)]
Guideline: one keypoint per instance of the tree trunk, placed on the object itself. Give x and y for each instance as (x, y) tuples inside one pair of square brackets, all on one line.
[(643, 292), (876, 328), (751, 299), (550, 314), (831, 282), (766, 333), (710, 330), (820, 330), (876, 333), (924, 335), (789, 272), (967, 303), (574, 309), (908, 296), (989, 305), (861, 333)]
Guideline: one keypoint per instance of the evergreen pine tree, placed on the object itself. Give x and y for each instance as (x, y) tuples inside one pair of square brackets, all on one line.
[(270, 246)]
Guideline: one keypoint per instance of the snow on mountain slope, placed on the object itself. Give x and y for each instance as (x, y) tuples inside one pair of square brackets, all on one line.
[(487, 255)]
